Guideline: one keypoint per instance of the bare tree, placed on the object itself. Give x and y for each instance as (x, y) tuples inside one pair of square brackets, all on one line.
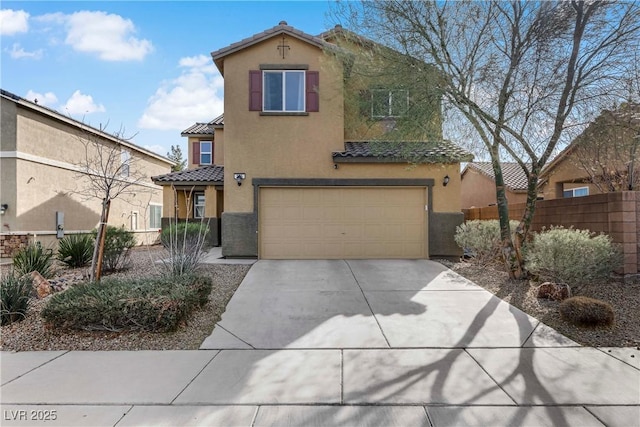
[(519, 73), (108, 171)]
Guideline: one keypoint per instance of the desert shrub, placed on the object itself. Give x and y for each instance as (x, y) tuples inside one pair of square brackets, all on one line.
[(151, 304), (33, 257), (76, 250), (584, 311), (118, 241), (185, 242), (481, 238), (571, 256), (15, 294)]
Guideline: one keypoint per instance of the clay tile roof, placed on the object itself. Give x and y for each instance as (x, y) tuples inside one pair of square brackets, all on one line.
[(198, 129), (281, 28), (204, 174), (514, 177), (417, 152), (204, 128)]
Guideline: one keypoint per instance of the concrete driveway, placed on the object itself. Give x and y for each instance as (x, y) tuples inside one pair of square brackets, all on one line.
[(340, 343), (370, 304)]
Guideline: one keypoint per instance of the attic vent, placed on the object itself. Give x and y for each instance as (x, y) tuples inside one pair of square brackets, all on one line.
[(283, 23)]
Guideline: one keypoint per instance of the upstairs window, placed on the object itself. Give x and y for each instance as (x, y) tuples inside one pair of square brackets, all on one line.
[(125, 159), (389, 103), (202, 152), (284, 91)]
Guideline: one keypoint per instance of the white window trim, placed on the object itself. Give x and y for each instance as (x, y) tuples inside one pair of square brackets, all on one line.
[(195, 198), (159, 205), (284, 110), (389, 93), (134, 221), (210, 153), (573, 192), (125, 159)]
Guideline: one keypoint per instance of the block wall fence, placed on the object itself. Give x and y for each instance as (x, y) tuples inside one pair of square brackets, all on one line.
[(615, 214)]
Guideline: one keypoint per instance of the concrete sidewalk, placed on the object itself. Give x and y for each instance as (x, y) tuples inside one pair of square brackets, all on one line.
[(323, 343)]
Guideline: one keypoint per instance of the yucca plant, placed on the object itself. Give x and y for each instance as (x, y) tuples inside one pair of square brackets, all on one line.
[(33, 258), (76, 250), (15, 294)]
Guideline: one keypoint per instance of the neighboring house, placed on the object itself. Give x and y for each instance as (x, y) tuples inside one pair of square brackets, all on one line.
[(603, 158), (479, 185), (42, 187), (285, 175)]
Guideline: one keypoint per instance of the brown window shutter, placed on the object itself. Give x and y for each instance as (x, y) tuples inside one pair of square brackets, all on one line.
[(313, 91), (195, 150), (255, 90)]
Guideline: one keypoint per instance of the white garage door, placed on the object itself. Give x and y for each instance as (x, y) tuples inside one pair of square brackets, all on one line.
[(342, 222)]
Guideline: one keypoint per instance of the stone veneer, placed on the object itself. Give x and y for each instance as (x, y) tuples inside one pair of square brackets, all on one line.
[(11, 243)]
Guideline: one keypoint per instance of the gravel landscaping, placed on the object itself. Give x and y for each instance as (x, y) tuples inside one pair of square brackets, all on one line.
[(32, 333), (623, 297)]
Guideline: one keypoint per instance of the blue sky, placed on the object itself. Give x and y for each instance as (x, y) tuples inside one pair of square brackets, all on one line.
[(141, 66)]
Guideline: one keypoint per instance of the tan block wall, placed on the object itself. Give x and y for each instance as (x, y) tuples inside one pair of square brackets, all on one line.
[(615, 214)]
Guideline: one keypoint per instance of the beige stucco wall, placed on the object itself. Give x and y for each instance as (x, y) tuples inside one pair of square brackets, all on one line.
[(277, 146), (301, 146), (44, 168), (479, 190), (184, 197), (565, 175)]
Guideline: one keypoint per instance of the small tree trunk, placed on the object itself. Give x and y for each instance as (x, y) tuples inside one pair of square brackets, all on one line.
[(522, 231), (510, 255), (101, 241)]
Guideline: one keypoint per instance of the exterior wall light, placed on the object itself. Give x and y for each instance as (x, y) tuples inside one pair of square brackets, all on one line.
[(445, 181), (3, 208), (239, 177)]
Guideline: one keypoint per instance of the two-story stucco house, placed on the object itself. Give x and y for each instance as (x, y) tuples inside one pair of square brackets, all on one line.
[(43, 193), (285, 175)]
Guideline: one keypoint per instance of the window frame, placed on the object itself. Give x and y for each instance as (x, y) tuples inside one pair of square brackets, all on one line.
[(125, 162), (573, 192), (389, 102), (265, 90), (151, 216), (196, 205), (134, 223), (202, 152)]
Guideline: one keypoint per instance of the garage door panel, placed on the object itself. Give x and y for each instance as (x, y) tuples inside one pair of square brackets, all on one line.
[(342, 222)]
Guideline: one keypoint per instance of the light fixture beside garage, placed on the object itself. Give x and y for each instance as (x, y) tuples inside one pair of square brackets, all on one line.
[(445, 181), (239, 177)]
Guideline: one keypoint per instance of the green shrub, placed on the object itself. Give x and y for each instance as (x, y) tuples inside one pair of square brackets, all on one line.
[(76, 250), (117, 244), (185, 242), (584, 311), (184, 235), (33, 258), (15, 294), (569, 256), (151, 304), (481, 238)]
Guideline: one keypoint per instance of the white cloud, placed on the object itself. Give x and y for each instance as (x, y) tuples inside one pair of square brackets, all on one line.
[(48, 99), (196, 95), (13, 22), (109, 36), (82, 104), (17, 52)]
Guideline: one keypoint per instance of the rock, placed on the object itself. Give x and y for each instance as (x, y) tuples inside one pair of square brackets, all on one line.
[(40, 284), (554, 291)]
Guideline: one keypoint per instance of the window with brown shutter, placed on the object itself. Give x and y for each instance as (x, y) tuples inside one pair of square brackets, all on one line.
[(284, 91)]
